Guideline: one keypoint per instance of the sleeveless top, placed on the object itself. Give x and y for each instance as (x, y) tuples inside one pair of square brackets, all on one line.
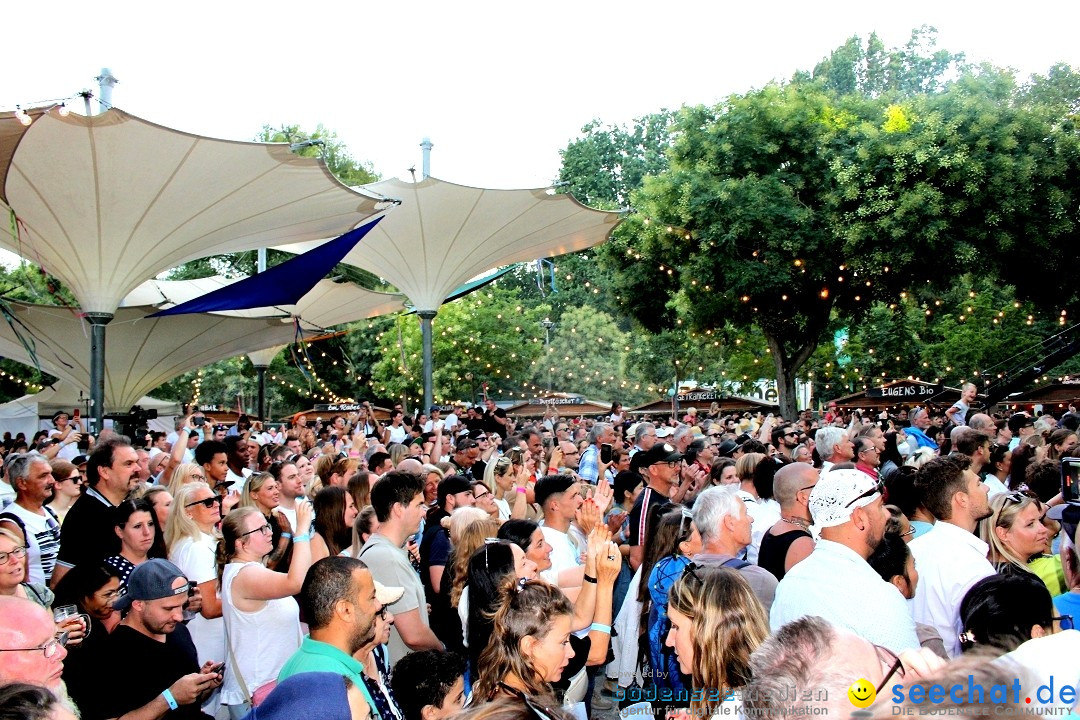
[(261, 641), (774, 549)]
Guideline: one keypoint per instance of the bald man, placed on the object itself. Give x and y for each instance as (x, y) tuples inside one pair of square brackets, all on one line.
[(28, 635), (411, 465), (789, 541)]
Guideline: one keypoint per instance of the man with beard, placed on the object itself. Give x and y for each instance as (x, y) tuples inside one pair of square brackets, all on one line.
[(338, 600), (951, 557), (835, 582), (153, 635)]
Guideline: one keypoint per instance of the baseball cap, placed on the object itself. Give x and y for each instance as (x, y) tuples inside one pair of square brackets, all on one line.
[(152, 580), (658, 453), (1020, 420), (838, 493), (663, 431), (387, 595), (452, 485), (80, 460)]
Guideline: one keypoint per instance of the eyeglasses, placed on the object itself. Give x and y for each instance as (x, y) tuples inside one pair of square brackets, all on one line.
[(910, 532), (264, 529), (1064, 621), (890, 660), (77, 479), (18, 553), (51, 648), (791, 434), (207, 503), (869, 449), (877, 488), (198, 477), (381, 614)]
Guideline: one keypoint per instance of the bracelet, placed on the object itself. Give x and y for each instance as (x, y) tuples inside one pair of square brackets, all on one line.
[(286, 535), (590, 579), (167, 694), (552, 469), (599, 627), (302, 538), (521, 490)]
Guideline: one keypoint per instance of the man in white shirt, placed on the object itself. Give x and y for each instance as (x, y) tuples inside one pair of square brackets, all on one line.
[(290, 488), (28, 517), (833, 446), (950, 558), (560, 498), (835, 582)]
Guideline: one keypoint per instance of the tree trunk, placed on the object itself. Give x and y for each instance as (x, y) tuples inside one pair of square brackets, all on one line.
[(787, 366)]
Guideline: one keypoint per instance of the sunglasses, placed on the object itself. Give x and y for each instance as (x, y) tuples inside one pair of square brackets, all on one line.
[(877, 489), (207, 503), (888, 658)]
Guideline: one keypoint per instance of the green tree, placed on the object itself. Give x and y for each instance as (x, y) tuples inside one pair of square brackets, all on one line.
[(490, 337), (587, 355), (338, 158)]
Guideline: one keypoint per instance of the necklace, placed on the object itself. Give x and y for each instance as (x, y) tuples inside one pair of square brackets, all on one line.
[(797, 522)]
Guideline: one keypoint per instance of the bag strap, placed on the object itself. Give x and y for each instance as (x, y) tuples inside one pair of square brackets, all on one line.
[(232, 656), (736, 564)]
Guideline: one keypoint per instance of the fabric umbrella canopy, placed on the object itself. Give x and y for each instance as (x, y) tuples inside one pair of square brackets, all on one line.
[(108, 201), (443, 234)]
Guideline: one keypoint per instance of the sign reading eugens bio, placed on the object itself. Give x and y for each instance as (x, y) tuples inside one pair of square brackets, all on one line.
[(905, 392), (557, 401)]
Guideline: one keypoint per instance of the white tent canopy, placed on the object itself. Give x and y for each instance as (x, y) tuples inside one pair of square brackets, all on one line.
[(443, 235), (31, 413), (107, 201)]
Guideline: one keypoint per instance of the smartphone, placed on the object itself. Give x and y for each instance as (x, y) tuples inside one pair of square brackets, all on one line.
[(218, 669), (1070, 473), (199, 421), (75, 414), (605, 453)]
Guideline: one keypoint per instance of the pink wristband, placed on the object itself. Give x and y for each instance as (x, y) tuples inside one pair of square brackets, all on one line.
[(521, 490)]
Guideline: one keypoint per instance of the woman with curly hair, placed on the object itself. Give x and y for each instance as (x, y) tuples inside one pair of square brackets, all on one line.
[(716, 623)]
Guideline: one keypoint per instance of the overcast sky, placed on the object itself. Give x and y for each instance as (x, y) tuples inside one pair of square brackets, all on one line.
[(499, 87)]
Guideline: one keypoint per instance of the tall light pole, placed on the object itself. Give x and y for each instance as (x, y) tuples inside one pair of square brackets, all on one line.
[(548, 324)]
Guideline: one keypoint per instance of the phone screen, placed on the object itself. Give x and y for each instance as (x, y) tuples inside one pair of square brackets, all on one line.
[(605, 453), (1070, 474)]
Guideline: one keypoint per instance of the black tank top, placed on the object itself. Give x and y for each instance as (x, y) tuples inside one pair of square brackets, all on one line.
[(774, 548)]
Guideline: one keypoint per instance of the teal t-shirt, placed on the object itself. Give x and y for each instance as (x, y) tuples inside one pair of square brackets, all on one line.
[(316, 656)]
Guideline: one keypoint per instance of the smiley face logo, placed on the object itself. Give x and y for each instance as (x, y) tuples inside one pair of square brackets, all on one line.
[(862, 693)]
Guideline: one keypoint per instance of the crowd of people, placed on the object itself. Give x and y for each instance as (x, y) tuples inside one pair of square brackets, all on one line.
[(474, 565)]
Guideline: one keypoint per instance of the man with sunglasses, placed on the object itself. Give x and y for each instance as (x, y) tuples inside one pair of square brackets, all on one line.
[(785, 439), (836, 582), (660, 466), (951, 557)]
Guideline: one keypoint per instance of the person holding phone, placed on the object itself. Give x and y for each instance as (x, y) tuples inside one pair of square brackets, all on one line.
[(68, 430)]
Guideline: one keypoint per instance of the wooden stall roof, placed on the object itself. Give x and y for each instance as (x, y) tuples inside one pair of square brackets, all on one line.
[(703, 400), (567, 405), (1054, 397), (900, 392)]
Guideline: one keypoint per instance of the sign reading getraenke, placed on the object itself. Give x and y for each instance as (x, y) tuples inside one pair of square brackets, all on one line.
[(906, 391), (557, 401)]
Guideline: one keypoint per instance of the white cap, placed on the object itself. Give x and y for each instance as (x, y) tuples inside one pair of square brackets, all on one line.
[(834, 497)]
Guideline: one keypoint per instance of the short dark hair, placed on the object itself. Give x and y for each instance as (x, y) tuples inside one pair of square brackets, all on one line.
[(377, 459), (969, 441), (889, 558), (1000, 610), (206, 450), (625, 483), (939, 479), (103, 457), (232, 442), (328, 582), (394, 487), (424, 678), (551, 485), (518, 531)]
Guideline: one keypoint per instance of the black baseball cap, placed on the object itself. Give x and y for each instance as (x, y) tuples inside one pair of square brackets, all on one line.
[(658, 453)]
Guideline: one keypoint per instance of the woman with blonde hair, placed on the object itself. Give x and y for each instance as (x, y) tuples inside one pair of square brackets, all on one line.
[(191, 539), (1019, 541), (398, 452), (183, 474), (261, 492), (261, 618), (432, 477), (716, 623), (469, 528), (745, 466)]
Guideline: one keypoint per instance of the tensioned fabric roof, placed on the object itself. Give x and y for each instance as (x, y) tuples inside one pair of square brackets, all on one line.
[(144, 352), (105, 202), (444, 234)]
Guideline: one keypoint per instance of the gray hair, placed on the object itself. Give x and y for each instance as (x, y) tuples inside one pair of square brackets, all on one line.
[(19, 465), (712, 506), (799, 658), (597, 430), (826, 440), (680, 432), (640, 431)]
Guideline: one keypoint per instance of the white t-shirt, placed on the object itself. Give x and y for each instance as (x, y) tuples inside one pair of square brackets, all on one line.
[(66, 452), (42, 542), (564, 554), (451, 422), (197, 560), (397, 434)]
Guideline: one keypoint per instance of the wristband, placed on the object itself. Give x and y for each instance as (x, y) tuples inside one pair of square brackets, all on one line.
[(521, 490), (302, 538), (167, 694), (601, 628), (552, 469), (286, 535), (590, 579)]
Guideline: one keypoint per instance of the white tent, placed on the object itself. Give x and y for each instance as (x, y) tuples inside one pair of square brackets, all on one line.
[(31, 413)]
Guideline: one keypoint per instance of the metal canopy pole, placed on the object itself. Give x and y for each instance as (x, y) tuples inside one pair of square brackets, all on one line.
[(426, 316), (97, 321)]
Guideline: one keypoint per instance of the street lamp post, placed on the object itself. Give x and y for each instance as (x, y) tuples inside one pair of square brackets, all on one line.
[(548, 324)]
